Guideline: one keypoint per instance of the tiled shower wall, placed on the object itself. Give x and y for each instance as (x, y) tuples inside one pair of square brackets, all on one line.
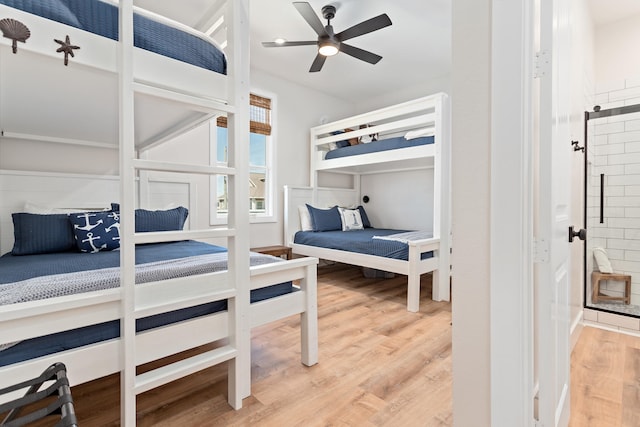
[(614, 150)]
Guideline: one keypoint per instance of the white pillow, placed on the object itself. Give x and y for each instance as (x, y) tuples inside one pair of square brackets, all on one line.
[(32, 208), (351, 219), (412, 134), (305, 218), (602, 260), (44, 210)]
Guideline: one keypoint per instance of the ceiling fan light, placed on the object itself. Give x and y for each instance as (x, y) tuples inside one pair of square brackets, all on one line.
[(328, 49)]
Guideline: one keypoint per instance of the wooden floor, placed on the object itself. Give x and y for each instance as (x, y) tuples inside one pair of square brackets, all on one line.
[(379, 366), (605, 380)]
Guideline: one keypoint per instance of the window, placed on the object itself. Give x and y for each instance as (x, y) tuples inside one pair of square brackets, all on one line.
[(261, 182)]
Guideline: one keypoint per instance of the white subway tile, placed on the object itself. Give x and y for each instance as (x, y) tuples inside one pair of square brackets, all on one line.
[(623, 179), (630, 233), (631, 190), (632, 147), (631, 125), (590, 315), (624, 159), (616, 138), (609, 128), (609, 86), (615, 253), (623, 244), (619, 320), (611, 148), (631, 168), (632, 212), (621, 201), (614, 233), (632, 255)]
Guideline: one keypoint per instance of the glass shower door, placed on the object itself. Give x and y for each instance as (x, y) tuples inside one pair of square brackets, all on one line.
[(612, 167)]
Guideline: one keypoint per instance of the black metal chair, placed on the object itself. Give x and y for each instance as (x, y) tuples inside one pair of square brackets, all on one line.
[(61, 406)]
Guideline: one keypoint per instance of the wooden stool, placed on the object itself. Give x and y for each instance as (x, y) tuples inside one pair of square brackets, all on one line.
[(597, 276)]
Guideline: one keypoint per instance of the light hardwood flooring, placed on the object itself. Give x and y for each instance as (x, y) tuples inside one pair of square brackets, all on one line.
[(605, 380), (379, 366)]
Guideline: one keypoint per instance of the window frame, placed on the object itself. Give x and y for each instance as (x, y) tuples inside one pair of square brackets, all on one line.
[(271, 195)]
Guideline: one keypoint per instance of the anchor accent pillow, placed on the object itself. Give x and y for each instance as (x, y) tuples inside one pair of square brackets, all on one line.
[(96, 231)]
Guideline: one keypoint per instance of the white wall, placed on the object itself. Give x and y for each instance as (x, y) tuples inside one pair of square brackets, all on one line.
[(442, 84), (400, 200), (297, 109), (50, 157), (471, 184), (616, 47)]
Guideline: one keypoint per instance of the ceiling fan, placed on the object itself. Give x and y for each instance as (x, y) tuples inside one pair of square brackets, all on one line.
[(330, 43)]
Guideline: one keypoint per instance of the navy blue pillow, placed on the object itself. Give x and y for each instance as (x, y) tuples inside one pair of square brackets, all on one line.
[(340, 144), (325, 219), (41, 234), (364, 217), (96, 231), (147, 221)]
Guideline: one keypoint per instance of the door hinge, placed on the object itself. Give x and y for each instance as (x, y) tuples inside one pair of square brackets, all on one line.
[(542, 64), (540, 251)]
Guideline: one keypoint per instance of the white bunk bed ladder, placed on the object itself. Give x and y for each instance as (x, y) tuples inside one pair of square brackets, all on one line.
[(232, 286)]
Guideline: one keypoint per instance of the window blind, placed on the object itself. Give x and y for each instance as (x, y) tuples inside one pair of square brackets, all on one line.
[(259, 115)]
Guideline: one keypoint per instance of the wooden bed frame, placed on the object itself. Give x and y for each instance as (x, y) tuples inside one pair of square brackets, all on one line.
[(168, 97), (431, 112)]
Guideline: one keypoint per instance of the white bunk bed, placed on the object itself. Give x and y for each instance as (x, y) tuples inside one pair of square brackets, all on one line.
[(425, 116), (112, 95)]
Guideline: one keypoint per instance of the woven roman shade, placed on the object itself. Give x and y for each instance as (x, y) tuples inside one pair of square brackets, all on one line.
[(259, 115)]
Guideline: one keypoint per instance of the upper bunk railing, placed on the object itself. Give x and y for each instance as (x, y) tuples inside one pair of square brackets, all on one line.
[(92, 74)]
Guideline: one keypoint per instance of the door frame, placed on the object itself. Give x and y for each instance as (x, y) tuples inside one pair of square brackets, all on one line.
[(512, 214)]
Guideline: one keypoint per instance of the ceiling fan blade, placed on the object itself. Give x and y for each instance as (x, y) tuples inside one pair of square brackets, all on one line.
[(317, 63), (365, 27), (361, 54), (274, 44), (310, 16)]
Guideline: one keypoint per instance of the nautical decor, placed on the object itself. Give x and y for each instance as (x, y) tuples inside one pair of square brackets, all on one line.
[(14, 30)]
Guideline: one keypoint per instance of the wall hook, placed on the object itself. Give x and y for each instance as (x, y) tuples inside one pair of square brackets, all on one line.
[(576, 147)]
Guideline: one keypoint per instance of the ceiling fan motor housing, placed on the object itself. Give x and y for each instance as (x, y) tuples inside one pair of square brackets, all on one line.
[(328, 12)]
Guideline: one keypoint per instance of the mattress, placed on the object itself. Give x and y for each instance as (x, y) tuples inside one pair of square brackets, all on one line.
[(101, 18), (15, 268), (376, 146), (360, 241)]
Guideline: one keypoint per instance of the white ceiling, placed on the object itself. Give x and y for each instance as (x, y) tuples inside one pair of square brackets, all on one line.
[(415, 49)]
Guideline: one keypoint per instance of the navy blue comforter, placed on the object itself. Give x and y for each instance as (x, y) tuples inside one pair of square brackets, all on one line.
[(16, 268), (360, 241), (101, 18), (375, 146)]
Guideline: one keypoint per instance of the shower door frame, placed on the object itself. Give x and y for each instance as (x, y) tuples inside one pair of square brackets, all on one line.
[(592, 115)]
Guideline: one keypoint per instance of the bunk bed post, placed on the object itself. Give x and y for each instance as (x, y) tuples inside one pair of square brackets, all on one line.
[(413, 280), (127, 199), (238, 216), (442, 191), (309, 318)]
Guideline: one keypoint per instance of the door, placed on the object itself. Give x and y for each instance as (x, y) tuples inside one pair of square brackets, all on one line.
[(552, 279)]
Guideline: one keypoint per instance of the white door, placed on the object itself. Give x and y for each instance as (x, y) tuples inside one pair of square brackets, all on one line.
[(552, 279)]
